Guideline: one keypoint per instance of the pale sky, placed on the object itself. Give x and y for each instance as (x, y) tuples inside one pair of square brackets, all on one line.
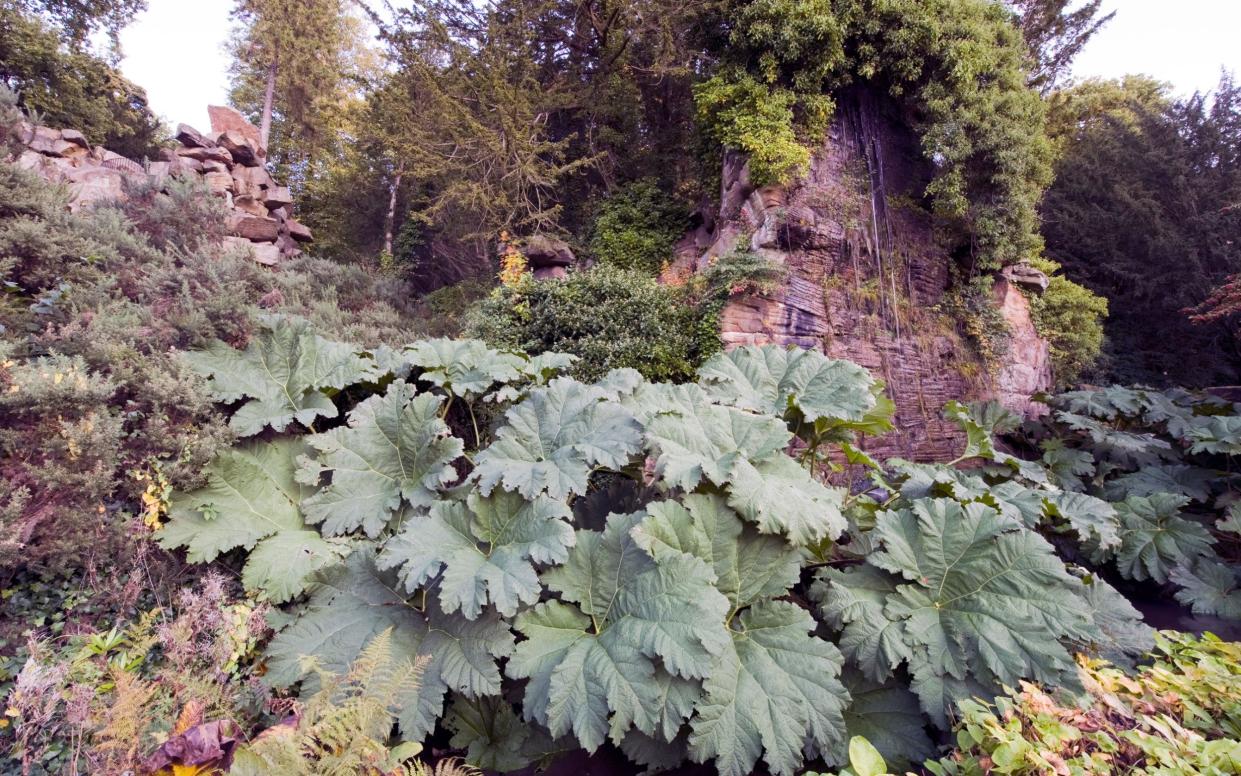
[(175, 49)]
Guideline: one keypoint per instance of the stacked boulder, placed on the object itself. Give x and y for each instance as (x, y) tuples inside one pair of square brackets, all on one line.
[(230, 160)]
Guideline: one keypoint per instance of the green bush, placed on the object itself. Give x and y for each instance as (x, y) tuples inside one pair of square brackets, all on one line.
[(637, 227), (972, 305), (1070, 317), (742, 113), (98, 409), (607, 316)]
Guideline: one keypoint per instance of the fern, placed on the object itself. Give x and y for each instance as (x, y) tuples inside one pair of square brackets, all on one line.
[(345, 727)]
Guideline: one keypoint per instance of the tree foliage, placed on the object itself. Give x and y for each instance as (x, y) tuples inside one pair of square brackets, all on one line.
[(1056, 31), (56, 75), (1116, 226)]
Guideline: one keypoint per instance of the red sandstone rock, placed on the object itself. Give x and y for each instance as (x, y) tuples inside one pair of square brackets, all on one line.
[(225, 119), (254, 228), (863, 278)]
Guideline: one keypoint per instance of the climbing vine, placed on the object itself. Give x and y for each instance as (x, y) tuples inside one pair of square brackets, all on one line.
[(957, 68)]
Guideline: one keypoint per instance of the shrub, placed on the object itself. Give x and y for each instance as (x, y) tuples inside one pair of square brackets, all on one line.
[(741, 113), (972, 305), (101, 702), (637, 227), (1179, 715), (98, 407), (608, 317), (1070, 317)]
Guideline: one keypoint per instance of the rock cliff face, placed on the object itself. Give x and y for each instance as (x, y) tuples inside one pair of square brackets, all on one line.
[(865, 273), (229, 160)]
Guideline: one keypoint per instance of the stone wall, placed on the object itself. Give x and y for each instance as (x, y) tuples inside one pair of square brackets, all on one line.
[(865, 273), (229, 160)]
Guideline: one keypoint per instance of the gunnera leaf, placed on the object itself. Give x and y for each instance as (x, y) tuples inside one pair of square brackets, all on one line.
[(486, 548), (251, 501), (770, 379), (776, 692), (1093, 520), (554, 438), (748, 566), (1209, 588), (696, 443), (693, 439), (354, 603), (977, 600), (494, 737), (887, 715), (1155, 538), (465, 368), (286, 374), (589, 657), (395, 450), (981, 421)]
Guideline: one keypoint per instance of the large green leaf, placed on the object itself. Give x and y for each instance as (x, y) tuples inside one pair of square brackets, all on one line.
[(693, 439), (553, 440), (356, 602), (1209, 588), (1104, 404), (1093, 520), (1070, 465), (486, 547), (981, 422), (1155, 538), (1130, 449), (772, 380), (771, 649), (1121, 633), (781, 497), (394, 450), (853, 601), (748, 566), (283, 373), (464, 368), (590, 657), (1215, 434), (775, 692), (251, 501), (1192, 481), (887, 715), (981, 600), (494, 737)]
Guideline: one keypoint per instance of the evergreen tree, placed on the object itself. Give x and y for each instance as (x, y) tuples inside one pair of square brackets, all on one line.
[(1056, 32), (294, 49), (65, 85), (1143, 211)]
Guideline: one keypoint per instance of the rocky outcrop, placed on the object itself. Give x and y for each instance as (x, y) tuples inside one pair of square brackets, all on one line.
[(1027, 366), (864, 275), (548, 257), (229, 160)]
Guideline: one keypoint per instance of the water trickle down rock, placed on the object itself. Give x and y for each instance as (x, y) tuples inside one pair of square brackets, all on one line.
[(864, 274)]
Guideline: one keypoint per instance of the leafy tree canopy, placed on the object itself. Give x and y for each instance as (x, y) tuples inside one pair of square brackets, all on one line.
[(64, 85)]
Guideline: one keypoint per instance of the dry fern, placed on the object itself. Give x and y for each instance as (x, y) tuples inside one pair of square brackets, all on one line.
[(345, 727)]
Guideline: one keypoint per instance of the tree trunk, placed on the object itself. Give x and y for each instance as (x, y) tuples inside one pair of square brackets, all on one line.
[(390, 220), (268, 96)]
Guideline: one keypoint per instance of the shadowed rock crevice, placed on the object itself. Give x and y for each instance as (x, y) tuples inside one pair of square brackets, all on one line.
[(865, 272)]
